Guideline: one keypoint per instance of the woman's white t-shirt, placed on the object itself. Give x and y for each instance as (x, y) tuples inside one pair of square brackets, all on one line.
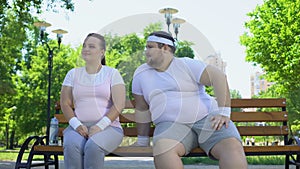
[(92, 92)]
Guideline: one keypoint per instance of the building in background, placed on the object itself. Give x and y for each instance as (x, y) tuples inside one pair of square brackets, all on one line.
[(216, 60), (258, 83)]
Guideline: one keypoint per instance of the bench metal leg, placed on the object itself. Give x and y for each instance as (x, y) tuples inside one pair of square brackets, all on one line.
[(298, 162), (56, 161), (28, 164), (25, 146), (46, 158), (287, 161)]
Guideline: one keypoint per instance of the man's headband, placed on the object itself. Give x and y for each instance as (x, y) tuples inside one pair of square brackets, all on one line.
[(162, 40)]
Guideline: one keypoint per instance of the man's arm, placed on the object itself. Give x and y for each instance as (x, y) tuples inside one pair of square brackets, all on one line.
[(214, 77), (143, 120)]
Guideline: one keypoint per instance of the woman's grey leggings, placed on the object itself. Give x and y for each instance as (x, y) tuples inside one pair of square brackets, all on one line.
[(82, 153)]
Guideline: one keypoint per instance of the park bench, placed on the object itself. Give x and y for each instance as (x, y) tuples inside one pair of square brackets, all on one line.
[(245, 114)]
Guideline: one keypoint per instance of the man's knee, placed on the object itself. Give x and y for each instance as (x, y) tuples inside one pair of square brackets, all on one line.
[(164, 146), (227, 146)]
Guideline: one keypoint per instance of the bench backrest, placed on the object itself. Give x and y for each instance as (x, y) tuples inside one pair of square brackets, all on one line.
[(253, 117)]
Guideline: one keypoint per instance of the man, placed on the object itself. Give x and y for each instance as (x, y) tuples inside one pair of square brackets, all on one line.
[(170, 92)]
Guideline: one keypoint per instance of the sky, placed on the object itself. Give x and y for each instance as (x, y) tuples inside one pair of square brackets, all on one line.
[(214, 26)]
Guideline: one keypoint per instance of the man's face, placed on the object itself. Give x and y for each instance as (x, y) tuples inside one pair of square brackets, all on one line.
[(154, 54)]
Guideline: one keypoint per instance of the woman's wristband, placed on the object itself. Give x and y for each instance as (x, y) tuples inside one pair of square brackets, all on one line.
[(225, 111), (74, 122), (104, 122)]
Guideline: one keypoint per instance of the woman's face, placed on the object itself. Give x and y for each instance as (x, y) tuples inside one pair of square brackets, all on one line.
[(92, 50)]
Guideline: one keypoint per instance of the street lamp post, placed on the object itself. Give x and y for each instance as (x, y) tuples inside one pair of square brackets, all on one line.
[(168, 12), (59, 32), (176, 24)]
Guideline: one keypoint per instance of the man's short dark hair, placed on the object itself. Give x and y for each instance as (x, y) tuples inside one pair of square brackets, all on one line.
[(165, 35)]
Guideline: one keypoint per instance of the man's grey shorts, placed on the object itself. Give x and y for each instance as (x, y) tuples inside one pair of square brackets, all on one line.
[(194, 135)]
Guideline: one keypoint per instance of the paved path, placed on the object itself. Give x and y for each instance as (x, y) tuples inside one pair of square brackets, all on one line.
[(142, 163)]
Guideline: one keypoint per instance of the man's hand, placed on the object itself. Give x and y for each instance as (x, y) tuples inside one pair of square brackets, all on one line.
[(82, 130), (217, 121), (93, 130)]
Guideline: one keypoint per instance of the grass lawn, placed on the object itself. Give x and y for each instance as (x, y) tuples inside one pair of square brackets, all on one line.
[(11, 155)]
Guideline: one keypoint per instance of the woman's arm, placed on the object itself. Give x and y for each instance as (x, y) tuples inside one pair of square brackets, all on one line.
[(118, 98), (66, 102)]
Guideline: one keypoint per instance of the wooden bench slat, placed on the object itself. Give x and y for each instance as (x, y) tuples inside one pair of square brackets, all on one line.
[(259, 116), (263, 130), (61, 118), (127, 118), (132, 131), (261, 149), (46, 148), (281, 148), (127, 151), (235, 103), (244, 131), (235, 116), (60, 132), (255, 103), (147, 151)]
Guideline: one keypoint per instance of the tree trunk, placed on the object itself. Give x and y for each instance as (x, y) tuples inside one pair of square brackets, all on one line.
[(6, 134), (11, 140)]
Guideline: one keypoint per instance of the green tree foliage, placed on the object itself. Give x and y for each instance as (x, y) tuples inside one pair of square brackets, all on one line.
[(15, 18), (235, 94), (134, 58), (272, 42), (18, 39), (32, 87), (294, 111), (12, 39), (151, 28), (23, 7), (126, 53), (183, 49)]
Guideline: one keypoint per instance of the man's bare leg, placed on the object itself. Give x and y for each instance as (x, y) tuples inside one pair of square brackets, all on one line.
[(167, 154), (230, 154)]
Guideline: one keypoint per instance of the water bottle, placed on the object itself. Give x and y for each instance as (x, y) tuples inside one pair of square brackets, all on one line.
[(53, 134)]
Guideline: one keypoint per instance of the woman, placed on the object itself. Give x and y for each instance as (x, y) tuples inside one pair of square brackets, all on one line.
[(97, 93)]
